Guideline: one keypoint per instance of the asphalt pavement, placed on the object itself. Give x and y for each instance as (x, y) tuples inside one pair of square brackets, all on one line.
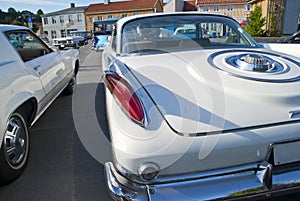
[(69, 144), (60, 168)]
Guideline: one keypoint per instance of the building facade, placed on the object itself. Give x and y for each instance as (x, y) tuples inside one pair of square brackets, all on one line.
[(237, 9), (282, 16), (61, 23), (120, 9), (180, 5)]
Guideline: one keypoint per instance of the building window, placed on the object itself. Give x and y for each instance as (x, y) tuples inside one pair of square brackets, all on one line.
[(61, 19), (205, 8), (247, 7), (124, 15), (46, 20), (230, 8), (214, 26), (99, 17), (216, 9), (91, 19), (109, 16), (63, 33), (53, 34), (70, 17), (53, 20), (79, 18)]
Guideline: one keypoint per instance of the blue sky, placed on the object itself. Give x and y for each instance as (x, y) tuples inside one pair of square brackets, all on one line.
[(47, 6)]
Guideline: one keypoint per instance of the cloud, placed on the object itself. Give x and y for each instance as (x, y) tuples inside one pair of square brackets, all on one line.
[(37, 2)]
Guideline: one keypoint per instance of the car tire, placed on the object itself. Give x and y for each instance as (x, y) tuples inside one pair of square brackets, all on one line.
[(70, 88), (14, 151), (61, 48), (76, 46)]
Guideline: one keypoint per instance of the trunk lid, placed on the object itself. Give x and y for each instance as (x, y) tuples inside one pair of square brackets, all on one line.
[(199, 91)]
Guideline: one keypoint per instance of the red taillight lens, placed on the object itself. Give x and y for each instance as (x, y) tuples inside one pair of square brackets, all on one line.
[(126, 97)]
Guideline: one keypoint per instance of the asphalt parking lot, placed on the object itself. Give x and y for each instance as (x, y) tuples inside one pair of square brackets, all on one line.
[(64, 165), (60, 168)]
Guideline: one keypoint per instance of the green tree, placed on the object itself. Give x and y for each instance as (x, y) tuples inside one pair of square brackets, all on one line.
[(21, 18), (256, 23), (38, 16), (12, 13), (2, 17)]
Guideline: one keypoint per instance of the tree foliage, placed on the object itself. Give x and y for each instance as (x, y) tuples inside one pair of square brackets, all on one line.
[(256, 23), (38, 15), (20, 17)]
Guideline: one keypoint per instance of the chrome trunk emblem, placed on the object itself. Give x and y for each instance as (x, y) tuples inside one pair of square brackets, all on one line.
[(255, 63)]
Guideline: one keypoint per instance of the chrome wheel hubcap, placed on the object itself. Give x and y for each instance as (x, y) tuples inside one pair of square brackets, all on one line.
[(15, 143)]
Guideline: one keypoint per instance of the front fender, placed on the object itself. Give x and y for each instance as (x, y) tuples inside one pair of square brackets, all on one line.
[(9, 107)]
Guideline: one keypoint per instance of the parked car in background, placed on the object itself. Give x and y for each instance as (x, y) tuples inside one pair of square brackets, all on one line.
[(69, 41), (101, 32), (295, 38), (32, 76), (85, 35), (100, 39), (198, 118)]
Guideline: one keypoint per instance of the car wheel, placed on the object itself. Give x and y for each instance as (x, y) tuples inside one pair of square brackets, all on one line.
[(61, 48), (70, 88), (76, 46), (14, 151)]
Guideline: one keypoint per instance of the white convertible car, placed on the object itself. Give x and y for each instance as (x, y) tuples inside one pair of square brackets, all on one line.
[(32, 75), (203, 114)]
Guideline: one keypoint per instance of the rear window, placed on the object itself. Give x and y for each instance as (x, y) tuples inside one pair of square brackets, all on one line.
[(183, 31)]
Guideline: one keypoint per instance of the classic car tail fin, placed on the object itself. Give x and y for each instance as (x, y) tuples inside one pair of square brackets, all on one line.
[(125, 96)]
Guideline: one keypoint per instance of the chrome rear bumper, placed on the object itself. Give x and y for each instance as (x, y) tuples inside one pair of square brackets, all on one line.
[(246, 182)]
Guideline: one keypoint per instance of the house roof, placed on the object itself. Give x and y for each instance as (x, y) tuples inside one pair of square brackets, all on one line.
[(189, 5), (67, 11), (220, 1), (122, 5), (251, 1)]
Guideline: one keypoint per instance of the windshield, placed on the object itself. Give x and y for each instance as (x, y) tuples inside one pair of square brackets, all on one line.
[(165, 33)]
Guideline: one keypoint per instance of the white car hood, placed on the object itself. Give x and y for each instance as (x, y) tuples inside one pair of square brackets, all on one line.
[(198, 91)]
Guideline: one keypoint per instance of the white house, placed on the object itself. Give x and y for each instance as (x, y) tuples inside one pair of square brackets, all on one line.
[(60, 23)]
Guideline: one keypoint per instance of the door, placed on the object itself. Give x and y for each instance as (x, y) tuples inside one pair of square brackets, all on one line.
[(52, 67)]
